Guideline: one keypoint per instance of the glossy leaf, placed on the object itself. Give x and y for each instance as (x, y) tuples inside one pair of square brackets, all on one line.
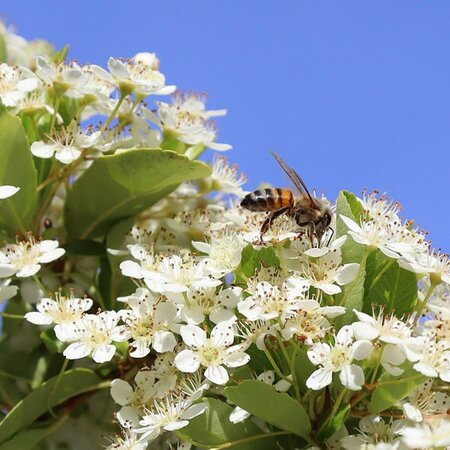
[(72, 383), (213, 428), (390, 390), (274, 407), (16, 169), (119, 186)]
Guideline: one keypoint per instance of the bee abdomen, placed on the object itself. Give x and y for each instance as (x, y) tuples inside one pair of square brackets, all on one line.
[(268, 200)]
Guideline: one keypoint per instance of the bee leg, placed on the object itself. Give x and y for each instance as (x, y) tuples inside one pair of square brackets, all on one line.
[(270, 218)]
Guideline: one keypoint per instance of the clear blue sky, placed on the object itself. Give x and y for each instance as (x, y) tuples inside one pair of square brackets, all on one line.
[(352, 94)]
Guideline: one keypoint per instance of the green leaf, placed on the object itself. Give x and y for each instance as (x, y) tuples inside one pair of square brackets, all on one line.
[(252, 260), (61, 55), (16, 169), (26, 440), (85, 247), (119, 186), (71, 383), (352, 296), (348, 205), (390, 390), (389, 285), (303, 368), (214, 428), (274, 407), (333, 424)]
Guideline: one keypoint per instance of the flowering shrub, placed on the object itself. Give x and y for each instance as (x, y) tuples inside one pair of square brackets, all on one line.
[(142, 303)]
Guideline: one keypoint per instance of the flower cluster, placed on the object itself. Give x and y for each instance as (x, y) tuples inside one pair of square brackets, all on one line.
[(172, 297)]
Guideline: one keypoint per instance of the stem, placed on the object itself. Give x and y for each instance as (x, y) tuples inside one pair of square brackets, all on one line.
[(336, 406), (423, 303), (377, 365), (11, 316), (55, 113), (381, 273), (113, 112), (242, 440), (275, 366), (294, 374)]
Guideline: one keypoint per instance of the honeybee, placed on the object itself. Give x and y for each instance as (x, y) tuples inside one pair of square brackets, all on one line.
[(307, 211)]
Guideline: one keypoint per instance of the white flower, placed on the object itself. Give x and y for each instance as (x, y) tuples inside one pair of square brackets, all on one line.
[(24, 259), (187, 119), (93, 334), (213, 353), (435, 360), (65, 79), (66, 144), (436, 265), (269, 302), (226, 178), (424, 403), (224, 253), (310, 323), (322, 268), (372, 234), (128, 440), (433, 434), (148, 324), (339, 358), (387, 329), (62, 311), (15, 83), (8, 191), (147, 58), (175, 275), (375, 434), (136, 76)]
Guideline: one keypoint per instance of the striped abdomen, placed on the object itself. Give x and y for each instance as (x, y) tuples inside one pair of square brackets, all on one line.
[(268, 200)]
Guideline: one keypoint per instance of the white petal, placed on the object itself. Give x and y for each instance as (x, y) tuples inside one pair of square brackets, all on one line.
[(187, 361), (319, 379), (7, 292), (77, 350), (121, 392), (128, 417), (51, 255), (316, 252), (361, 349), (202, 246), (352, 377), (193, 336), (319, 353), (238, 415), (67, 155), (222, 335), (412, 412), (176, 425), (237, 359), (363, 330), (8, 191), (351, 224), (131, 269), (217, 374), (164, 341), (104, 353), (328, 288), (38, 318), (43, 149), (6, 270), (193, 411), (118, 68), (345, 335), (347, 273)]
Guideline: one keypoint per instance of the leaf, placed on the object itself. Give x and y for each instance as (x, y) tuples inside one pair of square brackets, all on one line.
[(303, 368), (214, 428), (26, 440), (252, 260), (16, 169), (85, 247), (333, 424), (3, 53), (348, 205), (276, 408), (61, 55), (390, 285), (71, 383), (352, 296), (119, 186), (104, 282), (390, 390)]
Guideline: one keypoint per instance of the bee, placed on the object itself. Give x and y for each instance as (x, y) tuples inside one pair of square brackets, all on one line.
[(307, 211)]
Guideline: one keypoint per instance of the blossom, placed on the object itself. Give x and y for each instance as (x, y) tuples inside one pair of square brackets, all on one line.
[(62, 311), (7, 191), (226, 178), (24, 258), (213, 353), (434, 360), (434, 264), (339, 358), (434, 434), (224, 253), (66, 144), (93, 334), (175, 275), (137, 76), (15, 83), (148, 324)]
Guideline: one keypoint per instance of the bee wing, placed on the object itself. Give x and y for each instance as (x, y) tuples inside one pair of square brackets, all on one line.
[(296, 179)]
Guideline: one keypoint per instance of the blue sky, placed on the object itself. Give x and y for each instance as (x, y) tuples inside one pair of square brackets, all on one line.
[(352, 94)]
